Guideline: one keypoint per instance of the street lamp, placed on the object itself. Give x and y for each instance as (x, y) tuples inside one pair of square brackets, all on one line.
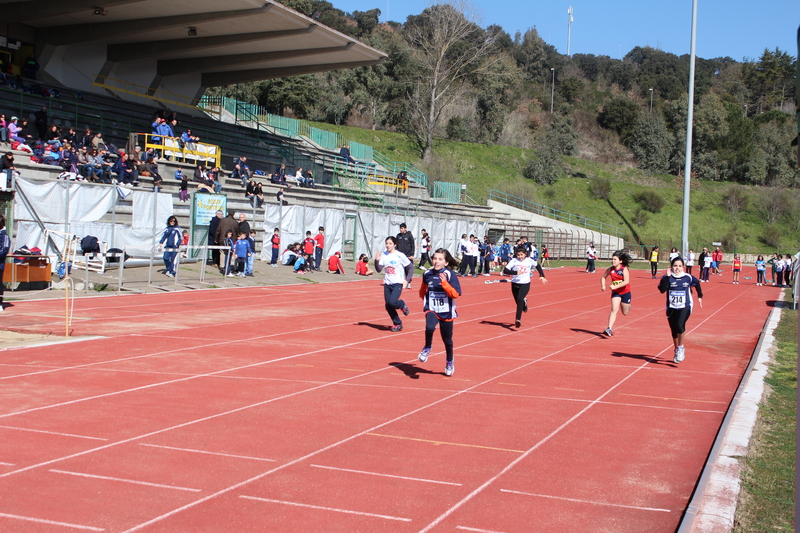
[(651, 101), (552, 90)]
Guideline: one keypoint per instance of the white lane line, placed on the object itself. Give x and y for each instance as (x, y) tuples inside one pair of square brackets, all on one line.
[(294, 504), (6, 464), (388, 475), (50, 522), (587, 501), (52, 433), (465, 528), (580, 413), (135, 482), (209, 453)]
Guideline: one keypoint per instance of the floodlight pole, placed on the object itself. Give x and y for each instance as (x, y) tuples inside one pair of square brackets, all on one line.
[(552, 90), (687, 172), (569, 29)]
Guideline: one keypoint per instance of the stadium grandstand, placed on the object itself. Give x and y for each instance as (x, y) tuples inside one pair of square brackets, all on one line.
[(127, 68)]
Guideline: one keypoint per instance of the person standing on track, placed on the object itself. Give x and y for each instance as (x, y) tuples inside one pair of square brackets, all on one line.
[(654, 262), (737, 267), (425, 250), (396, 264), (520, 268), (170, 242), (620, 287), (678, 286), (440, 288), (761, 267), (545, 257), (591, 255)]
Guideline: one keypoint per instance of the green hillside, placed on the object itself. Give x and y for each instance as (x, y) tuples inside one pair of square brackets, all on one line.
[(483, 167)]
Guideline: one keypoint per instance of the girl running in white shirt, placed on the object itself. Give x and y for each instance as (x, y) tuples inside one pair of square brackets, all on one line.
[(521, 268), (399, 270)]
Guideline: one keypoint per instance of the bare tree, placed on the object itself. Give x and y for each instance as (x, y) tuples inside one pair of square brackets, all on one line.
[(735, 201), (448, 46)]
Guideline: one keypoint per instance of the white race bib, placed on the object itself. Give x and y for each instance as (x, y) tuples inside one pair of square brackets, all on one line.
[(437, 302), (677, 299)]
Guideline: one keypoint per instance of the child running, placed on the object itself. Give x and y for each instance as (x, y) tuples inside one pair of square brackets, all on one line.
[(620, 287), (678, 286), (395, 264), (440, 288), (520, 268)]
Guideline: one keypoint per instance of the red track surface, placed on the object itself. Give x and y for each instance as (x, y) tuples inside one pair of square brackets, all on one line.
[(292, 409)]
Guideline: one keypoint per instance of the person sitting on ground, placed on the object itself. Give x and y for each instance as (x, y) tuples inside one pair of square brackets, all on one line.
[(289, 255), (362, 266), (303, 264), (335, 264)]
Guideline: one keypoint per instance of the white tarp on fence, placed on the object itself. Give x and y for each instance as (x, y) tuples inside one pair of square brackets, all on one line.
[(371, 229), (50, 200)]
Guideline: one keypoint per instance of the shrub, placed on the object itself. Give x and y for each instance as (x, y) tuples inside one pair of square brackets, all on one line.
[(771, 236), (458, 129), (735, 201), (640, 217), (650, 200), (600, 188), (544, 168)]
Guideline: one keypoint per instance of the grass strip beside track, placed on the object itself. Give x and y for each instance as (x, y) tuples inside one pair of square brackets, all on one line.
[(767, 497)]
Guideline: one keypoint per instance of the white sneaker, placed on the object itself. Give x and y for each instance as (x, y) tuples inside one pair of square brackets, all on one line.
[(679, 354), (231, 275)]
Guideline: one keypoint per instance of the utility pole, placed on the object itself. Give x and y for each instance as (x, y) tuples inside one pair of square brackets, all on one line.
[(552, 90), (651, 101), (687, 172), (569, 29)]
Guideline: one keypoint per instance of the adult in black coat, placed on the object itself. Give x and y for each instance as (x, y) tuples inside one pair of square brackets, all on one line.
[(405, 242), (213, 226)]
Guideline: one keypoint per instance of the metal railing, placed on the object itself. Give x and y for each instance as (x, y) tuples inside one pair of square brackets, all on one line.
[(414, 174), (557, 214), (356, 182), (194, 152)]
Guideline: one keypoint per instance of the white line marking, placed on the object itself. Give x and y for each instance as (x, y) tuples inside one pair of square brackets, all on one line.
[(478, 530), (51, 522), (52, 433), (516, 461), (6, 464), (326, 508), (123, 480), (587, 501), (388, 475), (210, 453)]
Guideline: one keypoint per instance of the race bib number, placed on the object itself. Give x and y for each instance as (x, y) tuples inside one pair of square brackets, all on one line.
[(677, 299), (390, 270), (437, 301), (614, 284)]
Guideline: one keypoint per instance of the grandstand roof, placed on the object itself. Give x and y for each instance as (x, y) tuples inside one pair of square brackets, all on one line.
[(225, 41)]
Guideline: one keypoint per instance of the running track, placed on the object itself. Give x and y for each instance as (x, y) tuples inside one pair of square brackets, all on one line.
[(289, 409)]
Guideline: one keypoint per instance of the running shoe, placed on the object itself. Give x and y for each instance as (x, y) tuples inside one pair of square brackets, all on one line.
[(524, 305), (405, 310), (449, 368), (423, 355), (170, 274), (397, 327), (490, 281), (517, 323), (608, 332), (679, 354)]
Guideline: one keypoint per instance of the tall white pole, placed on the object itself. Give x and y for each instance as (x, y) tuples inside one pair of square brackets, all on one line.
[(651, 101), (569, 30), (552, 90), (687, 172)]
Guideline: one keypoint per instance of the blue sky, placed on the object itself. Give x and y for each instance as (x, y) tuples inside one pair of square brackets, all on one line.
[(735, 28)]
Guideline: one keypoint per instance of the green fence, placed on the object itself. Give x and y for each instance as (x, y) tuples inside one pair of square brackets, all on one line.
[(563, 216), (447, 192)]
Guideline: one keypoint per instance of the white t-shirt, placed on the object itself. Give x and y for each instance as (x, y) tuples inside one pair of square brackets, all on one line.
[(472, 249), (393, 265), (591, 253), (287, 256), (690, 259), (707, 261), (523, 269)]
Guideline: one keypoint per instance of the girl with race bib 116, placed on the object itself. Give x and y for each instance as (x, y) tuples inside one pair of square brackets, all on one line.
[(440, 288), (677, 284)]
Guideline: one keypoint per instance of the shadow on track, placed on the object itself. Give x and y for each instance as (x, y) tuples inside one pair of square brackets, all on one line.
[(644, 357), (589, 332), (381, 327), (505, 325), (412, 371)]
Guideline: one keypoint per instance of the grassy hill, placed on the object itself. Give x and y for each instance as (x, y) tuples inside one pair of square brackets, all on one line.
[(483, 167)]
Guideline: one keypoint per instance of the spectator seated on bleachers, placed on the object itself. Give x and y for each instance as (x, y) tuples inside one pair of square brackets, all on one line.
[(307, 180), (254, 193), (241, 170), (131, 170), (344, 152), (14, 130)]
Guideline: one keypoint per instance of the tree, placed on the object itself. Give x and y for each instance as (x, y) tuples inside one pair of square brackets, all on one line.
[(571, 88), (367, 20), (448, 46), (544, 168), (651, 144), (620, 115), (530, 54), (298, 93), (561, 137), (496, 86)]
